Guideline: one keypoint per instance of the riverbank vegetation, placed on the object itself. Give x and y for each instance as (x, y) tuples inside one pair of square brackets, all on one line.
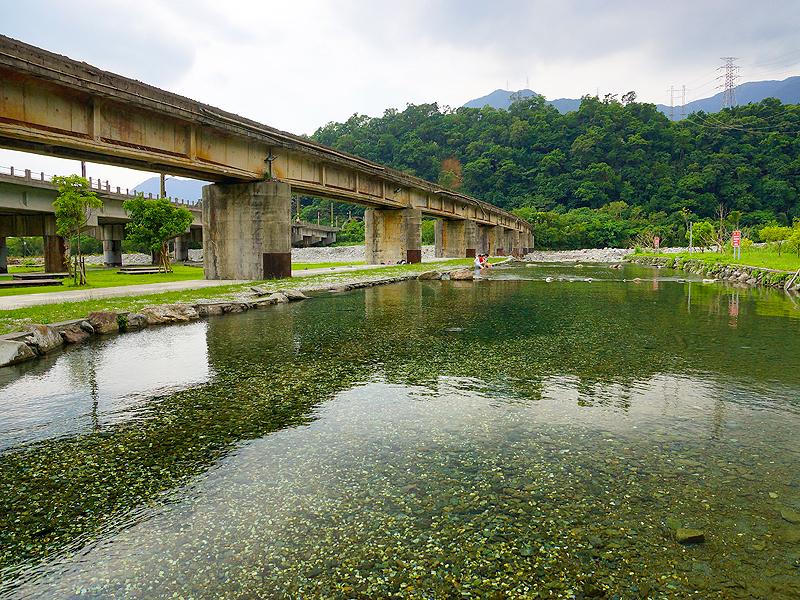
[(610, 173), (765, 257)]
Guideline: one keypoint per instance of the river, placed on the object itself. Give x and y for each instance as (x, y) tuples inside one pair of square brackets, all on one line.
[(508, 438)]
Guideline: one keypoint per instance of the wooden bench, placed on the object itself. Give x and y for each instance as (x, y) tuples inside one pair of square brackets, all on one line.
[(139, 271), (19, 283), (27, 276)]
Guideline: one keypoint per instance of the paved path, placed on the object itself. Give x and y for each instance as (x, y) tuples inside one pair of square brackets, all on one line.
[(22, 301), (144, 289)]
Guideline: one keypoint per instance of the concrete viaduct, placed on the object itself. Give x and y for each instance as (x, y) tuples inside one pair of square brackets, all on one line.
[(50, 104), (26, 209)]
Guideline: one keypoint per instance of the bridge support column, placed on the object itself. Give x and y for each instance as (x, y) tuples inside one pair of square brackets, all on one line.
[(181, 246), (392, 235), (472, 239), (3, 255), (112, 253), (111, 236), (247, 230), (488, 236), (54, 254), (450, 238), (516, 243)]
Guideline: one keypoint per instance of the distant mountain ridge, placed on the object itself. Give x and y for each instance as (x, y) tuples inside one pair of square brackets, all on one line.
[(184, 189), (786, 90)]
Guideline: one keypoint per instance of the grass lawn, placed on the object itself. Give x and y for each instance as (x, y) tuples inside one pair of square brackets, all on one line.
[(102, 277), (765, 257), (17, 319)]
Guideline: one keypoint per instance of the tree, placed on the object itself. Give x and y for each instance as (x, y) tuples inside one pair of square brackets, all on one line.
[(794, 239), (775, 234), (154, 222), (704, 234), (73, 207)]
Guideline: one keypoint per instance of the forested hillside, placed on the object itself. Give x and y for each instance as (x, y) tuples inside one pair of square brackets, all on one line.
[(605, 174)]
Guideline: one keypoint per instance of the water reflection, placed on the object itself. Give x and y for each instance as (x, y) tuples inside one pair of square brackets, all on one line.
[(553, 428), (99, 384)]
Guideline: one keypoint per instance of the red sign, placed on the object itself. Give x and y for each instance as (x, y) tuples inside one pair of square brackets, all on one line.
[(656, 242), (736, 238)]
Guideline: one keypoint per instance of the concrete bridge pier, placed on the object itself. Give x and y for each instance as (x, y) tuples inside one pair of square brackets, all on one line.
[(450, 238), (527, 242), (248, 230), (472, 239), (516, 241), (3, 255), (392, 235), (180, 247), (54, 254), (111, 236), (487, 238)]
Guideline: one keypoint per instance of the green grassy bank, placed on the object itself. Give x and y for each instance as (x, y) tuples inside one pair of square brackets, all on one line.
[(762, 257)]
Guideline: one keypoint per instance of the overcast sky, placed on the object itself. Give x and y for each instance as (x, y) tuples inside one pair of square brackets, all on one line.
[(297, 65)]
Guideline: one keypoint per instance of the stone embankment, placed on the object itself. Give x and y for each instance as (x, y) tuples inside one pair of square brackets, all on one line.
[(737, 274), (38, 340)]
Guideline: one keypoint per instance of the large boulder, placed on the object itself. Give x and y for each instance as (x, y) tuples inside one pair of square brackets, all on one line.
[(210, 309), (43, 339), (105, 321), (294, 295), (14, 352), (462, 275), (136, 321), (429, 276), (75, 335), (169, 313), (260, 291), (277, 298)]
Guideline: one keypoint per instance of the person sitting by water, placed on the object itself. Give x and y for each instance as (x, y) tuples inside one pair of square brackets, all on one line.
[(477, 264), (485, 264)]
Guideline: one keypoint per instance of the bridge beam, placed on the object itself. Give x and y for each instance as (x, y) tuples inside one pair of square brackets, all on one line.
[(392, 235), (247, 230), (3, 255)]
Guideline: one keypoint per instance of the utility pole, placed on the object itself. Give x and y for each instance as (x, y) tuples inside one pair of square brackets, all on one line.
[(163, 193), (730, 78), (683, 102), (671, 103), (83, 169), (331, 213)]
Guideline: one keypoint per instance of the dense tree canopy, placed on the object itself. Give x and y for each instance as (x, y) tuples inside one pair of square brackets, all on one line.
[(600, 175)]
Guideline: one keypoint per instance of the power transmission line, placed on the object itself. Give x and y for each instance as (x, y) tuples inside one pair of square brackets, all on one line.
[(730, 79)]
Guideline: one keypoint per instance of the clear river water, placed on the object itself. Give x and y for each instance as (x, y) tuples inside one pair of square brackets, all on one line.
[(508, 438)]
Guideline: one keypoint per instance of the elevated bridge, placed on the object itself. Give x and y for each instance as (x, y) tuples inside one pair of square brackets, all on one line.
[(26, 209), (54, 105)]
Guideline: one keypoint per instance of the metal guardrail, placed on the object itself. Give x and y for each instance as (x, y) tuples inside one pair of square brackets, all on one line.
[(96, 184)]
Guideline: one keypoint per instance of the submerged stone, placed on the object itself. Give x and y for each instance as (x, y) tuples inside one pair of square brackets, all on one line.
[(791, 515), (689, 536)]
